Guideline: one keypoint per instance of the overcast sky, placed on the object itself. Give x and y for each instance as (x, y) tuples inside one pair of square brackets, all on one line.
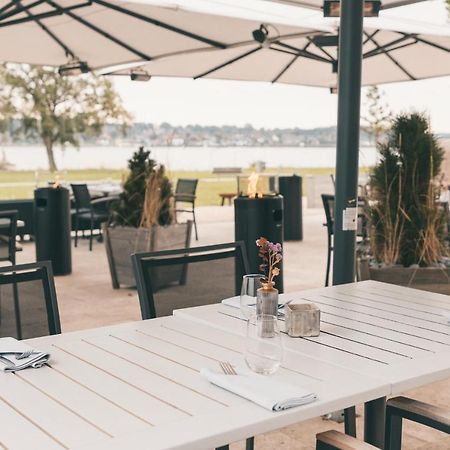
[(206, 102)]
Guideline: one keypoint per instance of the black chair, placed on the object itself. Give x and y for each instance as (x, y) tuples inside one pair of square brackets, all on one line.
[(94, 212), (185, 193), (362, 232), (28, 305), (174, 279), (8, 233), (397, 409)]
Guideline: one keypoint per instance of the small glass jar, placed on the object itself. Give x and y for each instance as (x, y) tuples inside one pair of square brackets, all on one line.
[(267, 300)]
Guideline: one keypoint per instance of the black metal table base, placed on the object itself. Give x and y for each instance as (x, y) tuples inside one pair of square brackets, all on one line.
[(374, 422)]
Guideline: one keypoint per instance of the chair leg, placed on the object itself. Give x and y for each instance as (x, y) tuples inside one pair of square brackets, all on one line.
[(327, 276), (90, 236), (393, 436), (195, 224), (76, 231)]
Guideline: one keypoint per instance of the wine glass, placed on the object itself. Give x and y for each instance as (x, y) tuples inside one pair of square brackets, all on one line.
[(250, 284), (264, 350)]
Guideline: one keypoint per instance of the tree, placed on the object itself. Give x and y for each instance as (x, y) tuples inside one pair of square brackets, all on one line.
[(58, 109), (146, 198), (407, 222), (378, 114)]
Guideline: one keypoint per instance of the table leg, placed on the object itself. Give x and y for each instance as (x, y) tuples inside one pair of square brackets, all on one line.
[(350, 421), (374, 422)]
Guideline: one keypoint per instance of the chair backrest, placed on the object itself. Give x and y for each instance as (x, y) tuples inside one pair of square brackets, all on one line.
[(328, 206), (186, 186), (8, 233), (82, 196), (174, 279), (28, 305)]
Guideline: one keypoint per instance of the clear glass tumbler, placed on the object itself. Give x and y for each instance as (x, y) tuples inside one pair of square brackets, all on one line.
[(250, 285), (264, 350)]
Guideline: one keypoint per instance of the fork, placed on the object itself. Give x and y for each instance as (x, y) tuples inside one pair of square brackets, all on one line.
[(25, 354), (227, 368)]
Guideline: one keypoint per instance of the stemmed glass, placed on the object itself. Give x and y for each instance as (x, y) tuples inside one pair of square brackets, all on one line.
[(264, 350), (250, 285)]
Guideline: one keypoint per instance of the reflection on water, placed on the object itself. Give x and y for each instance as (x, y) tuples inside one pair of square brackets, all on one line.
[(181, 158)]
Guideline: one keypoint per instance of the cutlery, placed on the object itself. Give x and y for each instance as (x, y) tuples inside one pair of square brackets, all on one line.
[(227, 368), (20, 355)]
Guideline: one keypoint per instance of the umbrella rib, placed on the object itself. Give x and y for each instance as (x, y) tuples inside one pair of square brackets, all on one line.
[(303, 53), (285, 68), (6, 7), (387, 47), (322, 50), (227, 63), (432, 44), (158, 23), (50, 33), (388, 55), (32, 17), (98, 30), (368, 37), (20, 8)]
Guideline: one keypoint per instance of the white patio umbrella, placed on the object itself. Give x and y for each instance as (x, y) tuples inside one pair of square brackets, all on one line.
[(103, 33), (319, 4), (394, 50)]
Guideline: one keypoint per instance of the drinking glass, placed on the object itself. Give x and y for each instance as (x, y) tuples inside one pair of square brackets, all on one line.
[(264, 351), (250, 285)]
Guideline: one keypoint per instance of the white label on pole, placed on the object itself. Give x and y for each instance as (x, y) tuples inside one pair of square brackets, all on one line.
[(350, 219)]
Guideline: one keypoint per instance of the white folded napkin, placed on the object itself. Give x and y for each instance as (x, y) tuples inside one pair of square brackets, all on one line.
[(262, 390), (10, 348)]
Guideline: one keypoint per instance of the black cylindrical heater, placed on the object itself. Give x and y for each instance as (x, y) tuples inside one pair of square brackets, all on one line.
[(52, 228), (291, 190), (255, 218)]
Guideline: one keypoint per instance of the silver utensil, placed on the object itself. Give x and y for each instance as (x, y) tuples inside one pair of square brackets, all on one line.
[(227, 368)]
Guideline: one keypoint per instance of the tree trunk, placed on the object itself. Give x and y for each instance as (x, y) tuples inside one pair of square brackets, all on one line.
[(51, 157)]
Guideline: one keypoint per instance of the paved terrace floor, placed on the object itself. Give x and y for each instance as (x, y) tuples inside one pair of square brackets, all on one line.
[(86, 300)]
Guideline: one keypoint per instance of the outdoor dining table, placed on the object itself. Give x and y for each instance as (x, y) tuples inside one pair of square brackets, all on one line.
[(138, 385)]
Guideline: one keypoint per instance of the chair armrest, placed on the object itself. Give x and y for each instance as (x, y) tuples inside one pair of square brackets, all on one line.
[(433, 416), (335, 440), (101, 200)]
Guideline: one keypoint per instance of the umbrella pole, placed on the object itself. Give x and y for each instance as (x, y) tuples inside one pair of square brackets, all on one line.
[(349, 99)]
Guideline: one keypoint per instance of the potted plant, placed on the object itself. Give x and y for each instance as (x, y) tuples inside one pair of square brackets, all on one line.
[(143, 218), (407, 223)]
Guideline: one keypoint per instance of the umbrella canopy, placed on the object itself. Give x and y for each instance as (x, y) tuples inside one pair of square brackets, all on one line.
[(109, 32), (394, 50), (318, 4)]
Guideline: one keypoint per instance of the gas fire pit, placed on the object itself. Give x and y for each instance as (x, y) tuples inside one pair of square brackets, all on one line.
[(256, 216)]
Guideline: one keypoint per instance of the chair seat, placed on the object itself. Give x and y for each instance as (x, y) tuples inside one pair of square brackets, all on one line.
[(335, 440)]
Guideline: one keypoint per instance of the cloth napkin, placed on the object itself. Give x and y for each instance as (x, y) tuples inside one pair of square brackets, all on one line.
[(10, 347), (262, 390)]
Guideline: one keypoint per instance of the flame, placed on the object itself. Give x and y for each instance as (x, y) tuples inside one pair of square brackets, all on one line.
[(56, 183), (252, 188)]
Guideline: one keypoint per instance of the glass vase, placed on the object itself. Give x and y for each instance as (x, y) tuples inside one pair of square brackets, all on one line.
[(267, 300)]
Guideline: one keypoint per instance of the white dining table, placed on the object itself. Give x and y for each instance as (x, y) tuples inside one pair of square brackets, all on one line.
[(138, 385)]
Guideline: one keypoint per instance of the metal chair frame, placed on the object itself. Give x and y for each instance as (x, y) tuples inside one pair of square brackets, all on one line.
[(185, 256), (12, 233), (39, 271), (187, 197), (83, 207)]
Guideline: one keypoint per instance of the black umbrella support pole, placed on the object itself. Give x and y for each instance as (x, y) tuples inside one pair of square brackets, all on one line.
[(349, 103)]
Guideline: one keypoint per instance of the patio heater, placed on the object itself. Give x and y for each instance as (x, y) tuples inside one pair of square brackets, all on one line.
[(255, 215)]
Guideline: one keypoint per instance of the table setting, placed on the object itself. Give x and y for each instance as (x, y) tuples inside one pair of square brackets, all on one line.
[(16, 355)]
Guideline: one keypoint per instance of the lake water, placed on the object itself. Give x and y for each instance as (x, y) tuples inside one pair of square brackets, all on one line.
[(180, 158)]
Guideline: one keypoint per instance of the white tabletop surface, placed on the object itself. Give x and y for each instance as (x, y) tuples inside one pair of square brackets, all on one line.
[(399, 334), (130, 385)]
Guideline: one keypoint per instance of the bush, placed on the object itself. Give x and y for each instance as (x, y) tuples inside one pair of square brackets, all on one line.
[(407, 221), (146, 199)]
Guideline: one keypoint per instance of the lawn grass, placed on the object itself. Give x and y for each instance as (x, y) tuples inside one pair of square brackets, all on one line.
[(21, 184)]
